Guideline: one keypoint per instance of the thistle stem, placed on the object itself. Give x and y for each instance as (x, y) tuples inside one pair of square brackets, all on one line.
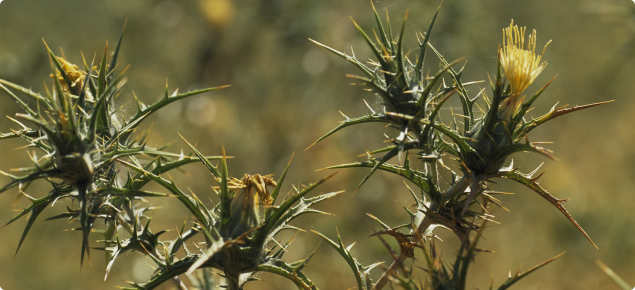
[(385, 277), (176, 280), (435, 206), (179, 284), (423, 226), (124, 224), (233, 280)]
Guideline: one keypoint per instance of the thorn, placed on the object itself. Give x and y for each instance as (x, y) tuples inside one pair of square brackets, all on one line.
[(307, 148), (347, 118), (369, 108), (536, 170)]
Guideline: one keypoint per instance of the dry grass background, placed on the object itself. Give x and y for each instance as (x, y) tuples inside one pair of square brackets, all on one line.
[(286, 92)]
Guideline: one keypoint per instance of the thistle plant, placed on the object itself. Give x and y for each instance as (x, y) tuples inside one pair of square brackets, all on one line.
[(81, 134), (93, 158), (239, 231), (86, 140), (480, 143)]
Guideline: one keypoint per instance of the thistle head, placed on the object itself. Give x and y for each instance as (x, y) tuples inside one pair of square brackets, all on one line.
[(251, 194), (521, 65), (74, 74)]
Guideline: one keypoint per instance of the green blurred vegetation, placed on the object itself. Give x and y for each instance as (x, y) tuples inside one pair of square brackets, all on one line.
[(286, 92)]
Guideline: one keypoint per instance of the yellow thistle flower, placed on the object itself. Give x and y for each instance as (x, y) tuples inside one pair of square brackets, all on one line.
[(521, 65), (73, 73)]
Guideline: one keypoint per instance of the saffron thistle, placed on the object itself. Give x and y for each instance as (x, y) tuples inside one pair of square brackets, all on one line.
[(521, 65), (73, 73)]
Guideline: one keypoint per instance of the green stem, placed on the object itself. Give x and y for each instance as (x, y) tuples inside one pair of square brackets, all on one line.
[(432, 167), (458, 188), (385, 277), (394, 267), (124, 224), (233, 280), (435, 206), (176, 280)]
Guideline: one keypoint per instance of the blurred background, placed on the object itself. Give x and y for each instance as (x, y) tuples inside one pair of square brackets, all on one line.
[(286, 92)]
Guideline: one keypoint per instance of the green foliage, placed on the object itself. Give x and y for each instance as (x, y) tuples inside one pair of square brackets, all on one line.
[(239, 232), (80, 132), (93, 157), (86, 139), (480, 146)]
